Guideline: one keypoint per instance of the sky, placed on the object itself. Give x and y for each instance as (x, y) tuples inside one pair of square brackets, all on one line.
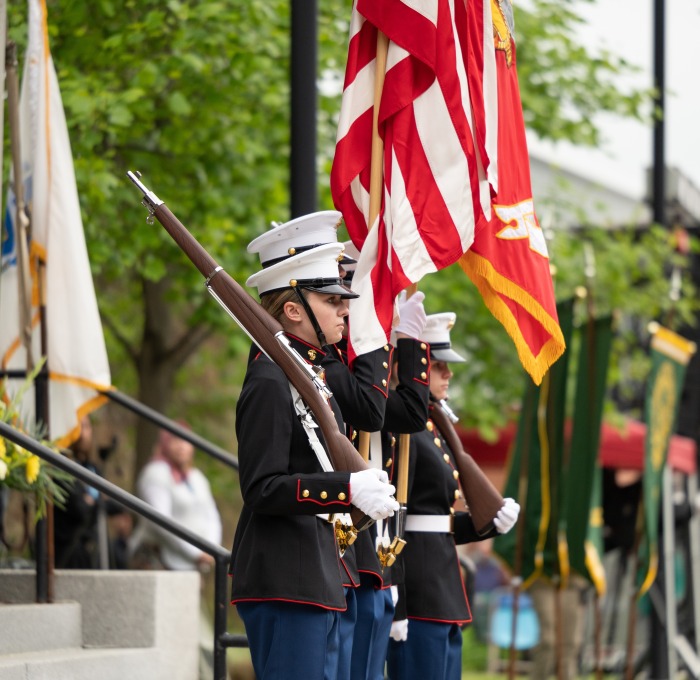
[(625, 27)]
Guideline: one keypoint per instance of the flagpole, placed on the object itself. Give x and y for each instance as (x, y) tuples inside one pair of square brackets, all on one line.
[(516, 579), (376, 169), (589, 272), (376, 181), (3, 47), (22, 225), (43, 534)]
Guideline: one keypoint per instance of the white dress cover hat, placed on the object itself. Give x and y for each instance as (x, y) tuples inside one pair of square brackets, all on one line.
[(315, 270), (296, 236), (437, 334)]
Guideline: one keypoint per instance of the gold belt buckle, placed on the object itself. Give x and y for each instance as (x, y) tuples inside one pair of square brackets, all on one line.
[(387, 556), (345, 535)]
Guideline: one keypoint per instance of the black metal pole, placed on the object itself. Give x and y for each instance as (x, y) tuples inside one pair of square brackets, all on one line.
[(658, 633), (220, 619), (162, 421), (302, 184), (43, 531), (659, 160)]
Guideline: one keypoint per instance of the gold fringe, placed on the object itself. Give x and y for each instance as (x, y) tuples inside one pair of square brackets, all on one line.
[(595, 568), (85, 409), (490, 284), (651, 573)]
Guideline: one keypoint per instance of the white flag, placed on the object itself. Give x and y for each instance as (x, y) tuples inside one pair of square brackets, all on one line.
[(75, 348)]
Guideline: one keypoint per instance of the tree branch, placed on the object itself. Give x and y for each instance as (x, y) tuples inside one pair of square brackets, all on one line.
[(121, 339), (188, 343)]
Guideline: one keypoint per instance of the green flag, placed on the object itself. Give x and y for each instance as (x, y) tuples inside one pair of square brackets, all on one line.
[(581, 528), (535, 469), (670, 354)]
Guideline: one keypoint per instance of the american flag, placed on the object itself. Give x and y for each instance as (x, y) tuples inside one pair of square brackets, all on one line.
[(456, 180), (434, 180)]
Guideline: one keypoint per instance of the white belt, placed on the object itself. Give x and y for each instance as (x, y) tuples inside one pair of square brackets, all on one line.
[(344, 517), (438, 524)]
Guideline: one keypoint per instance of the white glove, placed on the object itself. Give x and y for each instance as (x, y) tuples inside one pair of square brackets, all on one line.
[(371, 493), (399, 630), (412, 317), (394, 594), (507, 516)]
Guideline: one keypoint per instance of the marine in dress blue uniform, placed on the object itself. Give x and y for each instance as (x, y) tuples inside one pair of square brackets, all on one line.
[(361, 393), (287, 578), (406, 411), (433, 597)]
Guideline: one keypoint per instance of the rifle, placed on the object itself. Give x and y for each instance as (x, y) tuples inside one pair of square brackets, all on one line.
[(267, 333), (481, 495)]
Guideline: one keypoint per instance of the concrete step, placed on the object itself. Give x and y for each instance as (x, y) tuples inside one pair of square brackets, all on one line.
[(30, 627), (122, 612), (83, 664)]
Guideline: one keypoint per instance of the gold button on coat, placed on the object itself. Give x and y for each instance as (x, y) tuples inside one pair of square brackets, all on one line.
[(447, 458), (324, 495), (458, 495), (383, 383), (386, 348), (424, 361), (429, 426), (385, 365), (341, 496), (455, 474), (305, 493), (437, 442), (423, 375), (423, 346)]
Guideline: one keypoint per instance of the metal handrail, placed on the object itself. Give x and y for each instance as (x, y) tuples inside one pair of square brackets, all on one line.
[(221, 556), (167, 424)]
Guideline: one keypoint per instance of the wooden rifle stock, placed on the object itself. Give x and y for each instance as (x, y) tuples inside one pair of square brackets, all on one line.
[(262, 328), (480, 494)]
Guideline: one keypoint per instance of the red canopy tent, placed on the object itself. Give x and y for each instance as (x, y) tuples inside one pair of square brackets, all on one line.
[(619, 448)]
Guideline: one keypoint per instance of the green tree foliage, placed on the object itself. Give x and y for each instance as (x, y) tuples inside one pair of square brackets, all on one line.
[(195, 96)]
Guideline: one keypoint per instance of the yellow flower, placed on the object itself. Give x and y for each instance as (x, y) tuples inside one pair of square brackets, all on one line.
[(31, 469), (3, 470), (3, 448)]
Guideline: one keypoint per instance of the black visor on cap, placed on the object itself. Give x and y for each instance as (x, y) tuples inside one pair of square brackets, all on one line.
[(444, 352), (327, 286)]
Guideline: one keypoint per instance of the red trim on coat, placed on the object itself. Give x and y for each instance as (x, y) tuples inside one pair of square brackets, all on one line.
[(427, 367), (283, 599), (384, 392), (458, 623), (303, 342), (379, 576), (331, 501), (352, 583)]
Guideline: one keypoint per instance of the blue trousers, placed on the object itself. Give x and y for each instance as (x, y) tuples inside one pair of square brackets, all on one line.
[(433, 651), (375, 612), (348, 618), (291, 641)]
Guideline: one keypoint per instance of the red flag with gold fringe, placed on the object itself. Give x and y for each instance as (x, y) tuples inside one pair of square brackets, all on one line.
[(508, 260)]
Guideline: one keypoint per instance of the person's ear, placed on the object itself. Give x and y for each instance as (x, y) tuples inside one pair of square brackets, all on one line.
[(292, 311)]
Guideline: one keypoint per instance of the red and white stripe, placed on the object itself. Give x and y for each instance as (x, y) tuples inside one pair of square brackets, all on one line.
[(435, 186)]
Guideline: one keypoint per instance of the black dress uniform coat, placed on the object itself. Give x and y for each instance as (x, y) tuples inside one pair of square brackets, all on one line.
[(433, 588), (282, 550), (363, 396)]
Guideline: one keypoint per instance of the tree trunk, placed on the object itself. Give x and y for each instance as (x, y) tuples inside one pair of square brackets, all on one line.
[(155, 369)]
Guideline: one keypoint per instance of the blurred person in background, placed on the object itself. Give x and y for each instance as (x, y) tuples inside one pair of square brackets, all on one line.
[(172, 484)]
